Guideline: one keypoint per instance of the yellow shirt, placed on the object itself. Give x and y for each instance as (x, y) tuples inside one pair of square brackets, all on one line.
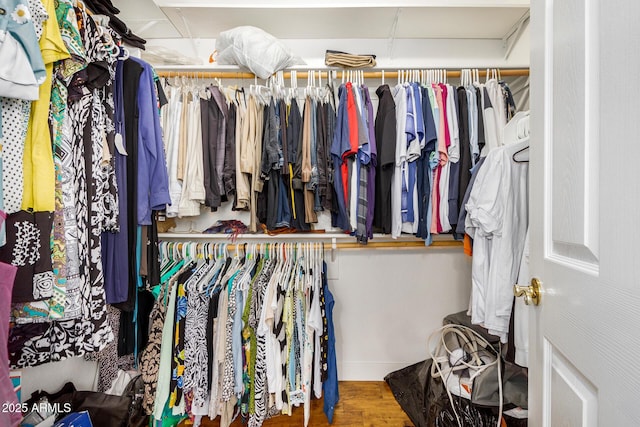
[(39, 175)]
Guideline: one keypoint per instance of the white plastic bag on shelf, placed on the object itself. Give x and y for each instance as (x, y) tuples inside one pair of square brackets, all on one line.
[(254, 49)]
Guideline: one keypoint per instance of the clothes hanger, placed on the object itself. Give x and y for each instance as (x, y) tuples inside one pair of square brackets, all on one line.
[(282, 272), (520, 151), (108, 44), (227, 273), (209, 281), (307, 264), (186, 251), (250, 263), (174, 265), (124, 54), (291, 285), (293, 269), (307, 270), (307, 90), (317, 269), (162, 250), (313, 261)]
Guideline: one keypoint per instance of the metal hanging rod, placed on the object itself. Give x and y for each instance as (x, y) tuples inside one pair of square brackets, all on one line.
[(329, 241), (509, 72)]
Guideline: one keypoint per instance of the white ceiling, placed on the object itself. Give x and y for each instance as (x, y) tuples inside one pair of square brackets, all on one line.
[(318, 4), (331, 19)]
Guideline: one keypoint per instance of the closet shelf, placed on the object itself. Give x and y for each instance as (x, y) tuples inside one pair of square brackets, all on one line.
[(335, 240)]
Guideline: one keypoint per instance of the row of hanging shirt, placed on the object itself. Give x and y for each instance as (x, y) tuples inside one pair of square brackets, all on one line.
[(245, 333), (258, 147), (283, 162), (408, 171)]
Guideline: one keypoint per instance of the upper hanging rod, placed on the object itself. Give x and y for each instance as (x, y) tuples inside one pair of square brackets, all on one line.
[(509, 72)]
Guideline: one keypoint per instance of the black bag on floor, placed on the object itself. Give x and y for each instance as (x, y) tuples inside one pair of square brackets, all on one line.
[(425, 400), (410, 388), (105, 410), (135, 391), (440, 412)]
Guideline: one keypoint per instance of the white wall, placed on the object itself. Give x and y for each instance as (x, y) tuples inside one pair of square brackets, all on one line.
[(389, 301), (51, 377)]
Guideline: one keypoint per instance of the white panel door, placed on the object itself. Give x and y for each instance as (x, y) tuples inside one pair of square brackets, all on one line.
[(585, 213)]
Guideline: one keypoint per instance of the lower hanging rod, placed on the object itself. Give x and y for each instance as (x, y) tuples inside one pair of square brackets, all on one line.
[(329, 242)]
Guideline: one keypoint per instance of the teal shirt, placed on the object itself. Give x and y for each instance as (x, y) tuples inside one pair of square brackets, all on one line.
[(22, 30)]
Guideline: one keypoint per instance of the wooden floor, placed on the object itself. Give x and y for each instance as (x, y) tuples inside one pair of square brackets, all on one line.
[(362, 404)]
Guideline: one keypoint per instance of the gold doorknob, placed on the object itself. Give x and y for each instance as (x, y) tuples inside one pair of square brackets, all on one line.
[(532, 293)]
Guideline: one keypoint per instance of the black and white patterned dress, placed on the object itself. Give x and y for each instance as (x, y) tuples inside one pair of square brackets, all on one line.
[(87, 329), (260, 374), (196, 381), (150, 356)]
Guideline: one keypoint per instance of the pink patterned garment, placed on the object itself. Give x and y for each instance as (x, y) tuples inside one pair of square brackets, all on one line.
[(7, 394)]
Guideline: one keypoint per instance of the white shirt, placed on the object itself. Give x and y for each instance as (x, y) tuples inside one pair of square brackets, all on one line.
[(484, 191), (400, 99), (193, 192), (499, 108), (497, 220), (173, 142), (508, 242)]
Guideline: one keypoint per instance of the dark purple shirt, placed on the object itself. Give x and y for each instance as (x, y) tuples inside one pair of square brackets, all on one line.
[(371, 187), (115, 246)]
